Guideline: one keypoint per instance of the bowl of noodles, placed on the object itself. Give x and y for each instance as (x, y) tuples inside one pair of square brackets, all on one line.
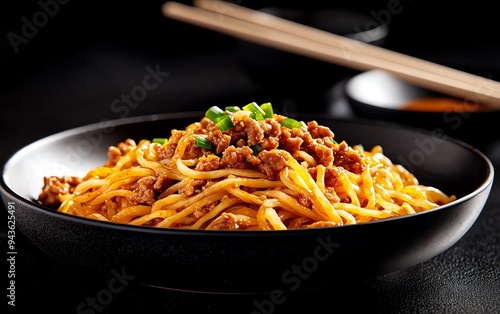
[(244, 199)]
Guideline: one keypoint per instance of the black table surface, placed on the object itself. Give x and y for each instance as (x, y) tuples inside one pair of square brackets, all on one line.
[(84, 58)]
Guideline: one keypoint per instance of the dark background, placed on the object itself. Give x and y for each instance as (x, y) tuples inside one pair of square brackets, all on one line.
[(90, 53)]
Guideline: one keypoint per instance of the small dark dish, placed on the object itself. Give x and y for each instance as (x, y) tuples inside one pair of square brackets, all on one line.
[(379, 95), (248, 261)]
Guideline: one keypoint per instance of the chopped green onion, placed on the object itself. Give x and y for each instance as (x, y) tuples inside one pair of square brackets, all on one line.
[(215, 113), (334, 141), (203, 142), (257, 116), (292, 123), (220, 117), (232, 108), (255, 149), (160, 140), (254, 108), (225, 123), (268, 109)]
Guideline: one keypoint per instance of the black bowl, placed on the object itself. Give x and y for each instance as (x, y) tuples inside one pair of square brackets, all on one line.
[(379, 95), (247, 261)]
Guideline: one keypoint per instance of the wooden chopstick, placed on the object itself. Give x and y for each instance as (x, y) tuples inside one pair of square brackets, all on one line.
[(351, 46), (272, 31)]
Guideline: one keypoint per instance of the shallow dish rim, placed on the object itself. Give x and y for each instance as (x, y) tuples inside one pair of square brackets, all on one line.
[(352, 97)]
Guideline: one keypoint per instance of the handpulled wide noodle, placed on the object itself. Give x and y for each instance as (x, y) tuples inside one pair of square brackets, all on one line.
[(264, 172)]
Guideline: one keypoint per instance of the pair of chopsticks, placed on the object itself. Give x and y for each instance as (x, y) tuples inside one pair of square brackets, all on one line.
[(266, 29)]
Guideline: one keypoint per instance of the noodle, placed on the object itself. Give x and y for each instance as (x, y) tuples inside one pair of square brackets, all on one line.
[(243, 169)]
